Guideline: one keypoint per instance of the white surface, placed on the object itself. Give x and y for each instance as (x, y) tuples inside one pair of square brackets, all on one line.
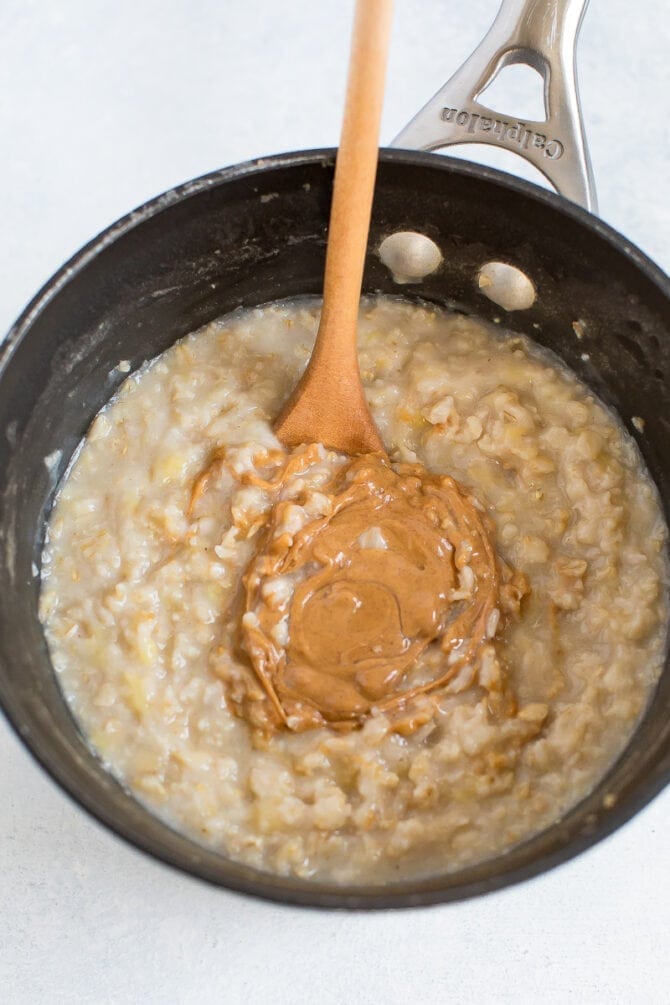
[(103, 105)]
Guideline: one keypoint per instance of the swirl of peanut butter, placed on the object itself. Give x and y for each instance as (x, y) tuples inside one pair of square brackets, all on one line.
[(340, 609)]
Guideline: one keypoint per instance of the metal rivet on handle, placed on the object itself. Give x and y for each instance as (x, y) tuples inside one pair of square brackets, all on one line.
[(506, 286), (409, 256)]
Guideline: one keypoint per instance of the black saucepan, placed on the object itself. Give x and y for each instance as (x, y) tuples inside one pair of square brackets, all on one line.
[(255, 233)]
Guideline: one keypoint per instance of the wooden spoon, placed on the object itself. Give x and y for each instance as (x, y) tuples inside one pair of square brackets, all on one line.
[(328, 404)]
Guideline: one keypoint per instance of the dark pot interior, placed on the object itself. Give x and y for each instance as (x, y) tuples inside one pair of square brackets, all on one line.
[(217, 243)]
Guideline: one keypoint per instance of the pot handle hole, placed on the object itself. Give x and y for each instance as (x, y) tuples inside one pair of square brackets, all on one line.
[(541, 34)]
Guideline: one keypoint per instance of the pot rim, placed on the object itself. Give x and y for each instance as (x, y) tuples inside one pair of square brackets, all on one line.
[(326, 157), (288, 890)]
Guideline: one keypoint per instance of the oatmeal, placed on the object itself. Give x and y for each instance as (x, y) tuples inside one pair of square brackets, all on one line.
[(159, 543)]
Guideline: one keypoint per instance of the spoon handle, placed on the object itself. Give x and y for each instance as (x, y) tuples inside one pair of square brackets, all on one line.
[(355, 171)]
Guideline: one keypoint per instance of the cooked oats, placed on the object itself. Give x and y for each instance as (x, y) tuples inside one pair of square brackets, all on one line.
[(140, 591)]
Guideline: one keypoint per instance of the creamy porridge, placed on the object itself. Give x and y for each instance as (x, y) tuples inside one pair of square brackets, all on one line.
[(160, 603)]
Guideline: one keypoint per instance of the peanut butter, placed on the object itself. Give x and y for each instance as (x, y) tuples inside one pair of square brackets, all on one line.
[(339, 611)]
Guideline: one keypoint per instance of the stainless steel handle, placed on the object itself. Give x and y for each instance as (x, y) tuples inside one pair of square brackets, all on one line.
[(542, 34)]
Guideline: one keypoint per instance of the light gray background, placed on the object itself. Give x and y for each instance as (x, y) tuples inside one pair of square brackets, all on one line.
[(102, 105)]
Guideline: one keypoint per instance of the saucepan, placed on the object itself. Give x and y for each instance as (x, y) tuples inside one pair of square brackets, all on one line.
[(255, 233)]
